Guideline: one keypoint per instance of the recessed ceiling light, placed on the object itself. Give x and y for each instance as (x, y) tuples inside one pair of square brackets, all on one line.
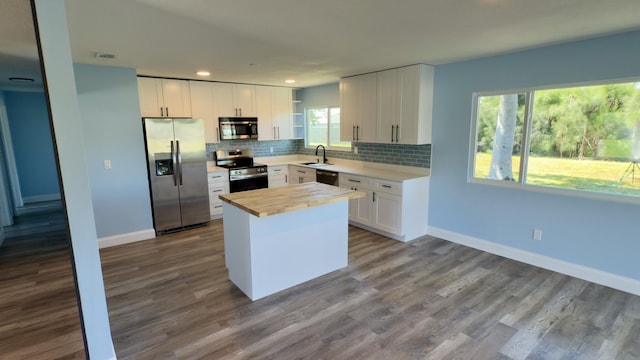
[(290, 81), (203, 73)]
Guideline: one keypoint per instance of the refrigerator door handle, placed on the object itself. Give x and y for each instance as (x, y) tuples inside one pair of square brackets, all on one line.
[(173, 165), (179, 160)]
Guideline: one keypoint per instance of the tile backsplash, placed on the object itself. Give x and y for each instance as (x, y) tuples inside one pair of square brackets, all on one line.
[(396, 154)]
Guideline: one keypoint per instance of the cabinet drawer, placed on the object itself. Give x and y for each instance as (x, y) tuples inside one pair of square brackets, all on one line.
[(355, 180), (215, 191), (215, 209), (218, 177), (277, 169), (299, 170), (390, 187)]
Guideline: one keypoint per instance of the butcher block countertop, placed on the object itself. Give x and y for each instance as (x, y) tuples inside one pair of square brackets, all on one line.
[(267, 202)]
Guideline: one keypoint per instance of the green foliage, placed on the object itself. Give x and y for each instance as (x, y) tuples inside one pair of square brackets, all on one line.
[(570, 122)]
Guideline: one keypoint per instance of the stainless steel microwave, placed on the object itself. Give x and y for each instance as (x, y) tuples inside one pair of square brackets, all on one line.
[(234, 128)]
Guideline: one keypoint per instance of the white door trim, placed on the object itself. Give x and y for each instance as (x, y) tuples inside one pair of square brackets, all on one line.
[(12, 169)]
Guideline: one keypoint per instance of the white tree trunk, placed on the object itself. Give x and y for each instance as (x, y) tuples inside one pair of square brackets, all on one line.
[(501, 164)]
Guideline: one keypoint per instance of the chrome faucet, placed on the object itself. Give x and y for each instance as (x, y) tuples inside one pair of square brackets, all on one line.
[(324, 151)]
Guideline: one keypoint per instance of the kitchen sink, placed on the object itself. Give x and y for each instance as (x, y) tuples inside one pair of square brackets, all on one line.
[(315, 164)]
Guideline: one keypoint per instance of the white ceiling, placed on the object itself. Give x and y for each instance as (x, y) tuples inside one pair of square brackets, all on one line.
[(18, 49), (317, 42)]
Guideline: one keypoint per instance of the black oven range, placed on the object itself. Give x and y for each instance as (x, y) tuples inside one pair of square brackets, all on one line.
[(244, 174)]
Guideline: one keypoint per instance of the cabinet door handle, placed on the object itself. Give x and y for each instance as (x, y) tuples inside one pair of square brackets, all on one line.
[(355, 181), (217, 206), (218, 190), (397, 132), (216, 176), (286, 180), (274, 132), (240, 111), (278, 132), (161, 111), (277, 170), (218, 133), (386, 186), (391, 133), (166, 110), (373, 198), (353, 133), (357, 132)]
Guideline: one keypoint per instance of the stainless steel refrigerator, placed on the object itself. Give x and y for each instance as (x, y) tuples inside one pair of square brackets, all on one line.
[(177, 165)]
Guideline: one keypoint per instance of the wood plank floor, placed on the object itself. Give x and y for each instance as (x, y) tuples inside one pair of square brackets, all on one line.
[(39, 317), (169, 298)]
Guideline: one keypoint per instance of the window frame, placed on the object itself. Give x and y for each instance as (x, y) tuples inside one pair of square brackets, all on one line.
[(307, 127), (526, 143)]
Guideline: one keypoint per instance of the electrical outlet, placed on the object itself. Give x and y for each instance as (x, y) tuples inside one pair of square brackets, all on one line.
[(355, 149), (537, 234), (107, 164), (271, 149)]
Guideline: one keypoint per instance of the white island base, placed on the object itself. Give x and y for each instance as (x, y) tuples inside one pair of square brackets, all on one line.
[(265, 255)]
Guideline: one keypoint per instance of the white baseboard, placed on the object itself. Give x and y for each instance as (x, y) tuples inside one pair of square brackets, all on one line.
[(121, 239), (618, 282), (40, 198)]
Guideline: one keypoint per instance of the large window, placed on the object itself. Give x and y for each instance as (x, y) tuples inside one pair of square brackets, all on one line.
[(323, 128), (584, 138)]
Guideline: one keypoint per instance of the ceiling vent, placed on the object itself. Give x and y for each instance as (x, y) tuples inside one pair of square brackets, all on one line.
[(101, 55), (21, 79)]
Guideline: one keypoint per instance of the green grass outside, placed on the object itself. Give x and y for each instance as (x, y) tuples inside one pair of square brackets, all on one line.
[(592, 175)]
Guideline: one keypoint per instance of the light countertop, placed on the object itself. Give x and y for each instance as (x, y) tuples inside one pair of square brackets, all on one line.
[(375, 170), (211, 167), (272, 201)]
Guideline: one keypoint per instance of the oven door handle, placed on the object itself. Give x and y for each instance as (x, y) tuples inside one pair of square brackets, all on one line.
[(245, 177)]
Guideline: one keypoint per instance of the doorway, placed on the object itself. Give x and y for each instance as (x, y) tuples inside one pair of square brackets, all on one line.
[(39, 315)]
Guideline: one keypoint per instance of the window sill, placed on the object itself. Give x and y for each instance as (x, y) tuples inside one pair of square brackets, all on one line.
[(577, 193)]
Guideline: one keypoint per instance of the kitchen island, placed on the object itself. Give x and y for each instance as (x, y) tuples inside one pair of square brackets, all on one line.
[(279, 237)]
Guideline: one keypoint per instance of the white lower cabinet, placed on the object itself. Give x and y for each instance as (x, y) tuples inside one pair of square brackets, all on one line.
[(301, 174), (387, 212), (398, 209), (218, 185), (278, 175)]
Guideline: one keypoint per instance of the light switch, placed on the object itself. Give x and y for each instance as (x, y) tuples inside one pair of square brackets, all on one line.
[(107, 164)]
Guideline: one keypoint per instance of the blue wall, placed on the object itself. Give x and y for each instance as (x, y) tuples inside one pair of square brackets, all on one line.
[(112, 126), (32, 143), (599, 234), (323, 95)]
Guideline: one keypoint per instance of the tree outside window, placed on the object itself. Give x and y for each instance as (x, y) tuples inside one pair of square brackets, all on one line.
[(583, 138)]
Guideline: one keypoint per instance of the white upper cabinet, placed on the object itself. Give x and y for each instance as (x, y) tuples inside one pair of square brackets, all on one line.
[(391, 106), (264, 108), (164, 97), (387, 114), (358, 108), (274, 109), (244, 97), (203, 106), (415, 87), (282, 110), (235, 99)]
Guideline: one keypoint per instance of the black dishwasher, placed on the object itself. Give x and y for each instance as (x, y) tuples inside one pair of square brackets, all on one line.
[(327, 177)]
